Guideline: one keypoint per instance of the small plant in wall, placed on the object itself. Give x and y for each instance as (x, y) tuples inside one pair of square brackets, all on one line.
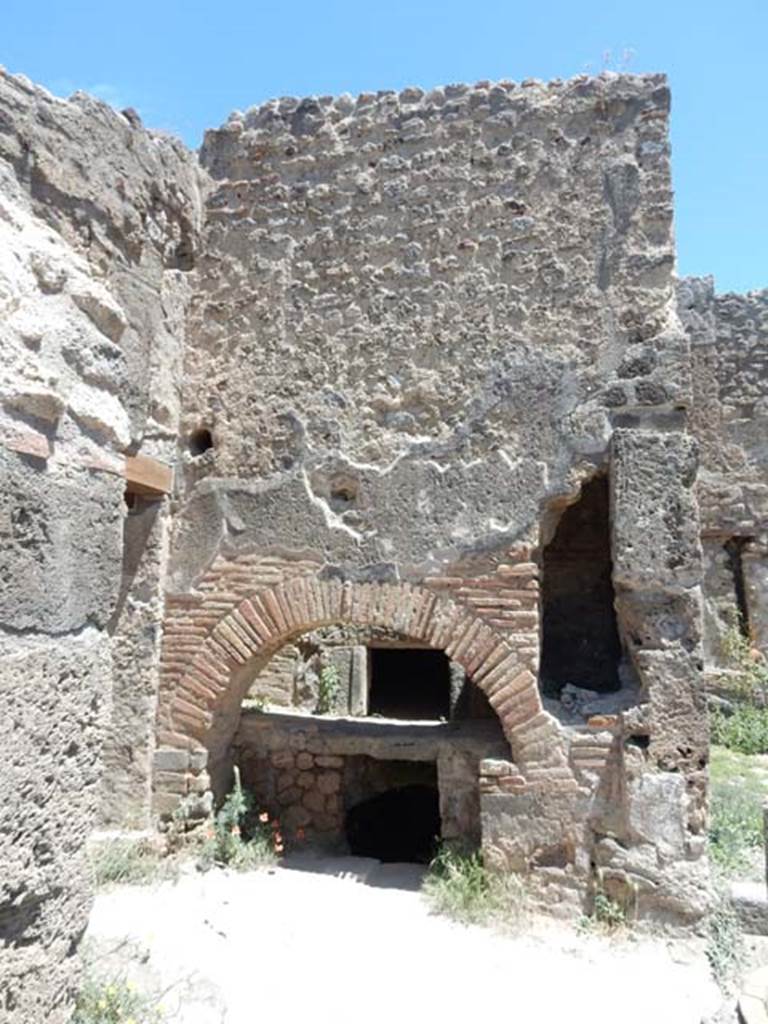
[(609, 914), (608, 911), (328, 690), (240, 838), (748, 677)]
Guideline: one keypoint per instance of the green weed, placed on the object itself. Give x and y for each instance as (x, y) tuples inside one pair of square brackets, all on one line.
[(726, 949), (737, 791), (748, 676), (126, 862), (459, 886), (744, 730), (608, 911), (735, 828), (239, 838), (114, 1002), (329, 690)]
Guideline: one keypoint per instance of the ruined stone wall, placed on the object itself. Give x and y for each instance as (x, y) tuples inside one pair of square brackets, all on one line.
[(417, 316), (421, 322), (414, 325), (729, 360), (95, 218), (307, 771)]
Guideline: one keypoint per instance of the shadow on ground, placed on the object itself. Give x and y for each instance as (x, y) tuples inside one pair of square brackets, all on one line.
[(366, 870)]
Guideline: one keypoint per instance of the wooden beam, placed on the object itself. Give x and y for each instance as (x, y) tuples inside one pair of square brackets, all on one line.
[(144, 475)]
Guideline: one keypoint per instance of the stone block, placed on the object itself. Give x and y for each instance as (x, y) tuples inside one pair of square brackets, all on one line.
[(313, 800), (289, 796), (198, 759), (282, 759), (329, 761), (171, 782), (62, 543), (285, 780), (296, 817), (656, 543), (165, 804), (656, 811), (167, 760), (54, 698), (358, 683), (677, 714), (329, 782), (492, 767), (750, 903)]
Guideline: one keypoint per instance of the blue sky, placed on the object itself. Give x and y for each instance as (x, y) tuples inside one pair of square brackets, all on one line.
[(185, 65)]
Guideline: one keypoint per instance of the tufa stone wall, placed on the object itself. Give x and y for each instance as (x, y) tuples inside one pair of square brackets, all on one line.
[(729, 359), (94, 212), (432, 328)]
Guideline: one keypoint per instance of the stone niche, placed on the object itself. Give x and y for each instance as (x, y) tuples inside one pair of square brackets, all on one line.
[(329, 779), (391, 768), (372, 673), (580, 639)]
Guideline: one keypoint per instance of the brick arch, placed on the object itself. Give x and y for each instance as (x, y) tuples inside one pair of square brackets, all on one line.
[(265, 620)]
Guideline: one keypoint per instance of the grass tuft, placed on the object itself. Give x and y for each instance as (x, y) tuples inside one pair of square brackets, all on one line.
[(738, 788), (726, 949), (126, 862), (459, 886), (744, 730)]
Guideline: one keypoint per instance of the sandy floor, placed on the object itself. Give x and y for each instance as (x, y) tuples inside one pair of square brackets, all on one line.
[(352, 941)]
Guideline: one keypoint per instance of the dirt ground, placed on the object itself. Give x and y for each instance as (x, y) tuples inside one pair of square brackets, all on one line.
[(351, 940)]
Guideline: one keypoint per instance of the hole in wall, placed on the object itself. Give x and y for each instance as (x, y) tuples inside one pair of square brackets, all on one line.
[(580, 638), (639, 740), (200, 441), (184, 256), (133, 502), (343, 492), (734, 549), (339, 487), (400, 823), (470, 702), (409, 683), (343, 495)]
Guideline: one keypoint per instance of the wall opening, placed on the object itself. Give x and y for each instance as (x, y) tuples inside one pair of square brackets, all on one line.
[(183, 257), (734, 549), (400, 821), (200, 441), (133, 502), (468, 702), (406, 682), (580, 638), (343, 492), (409, 683)]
